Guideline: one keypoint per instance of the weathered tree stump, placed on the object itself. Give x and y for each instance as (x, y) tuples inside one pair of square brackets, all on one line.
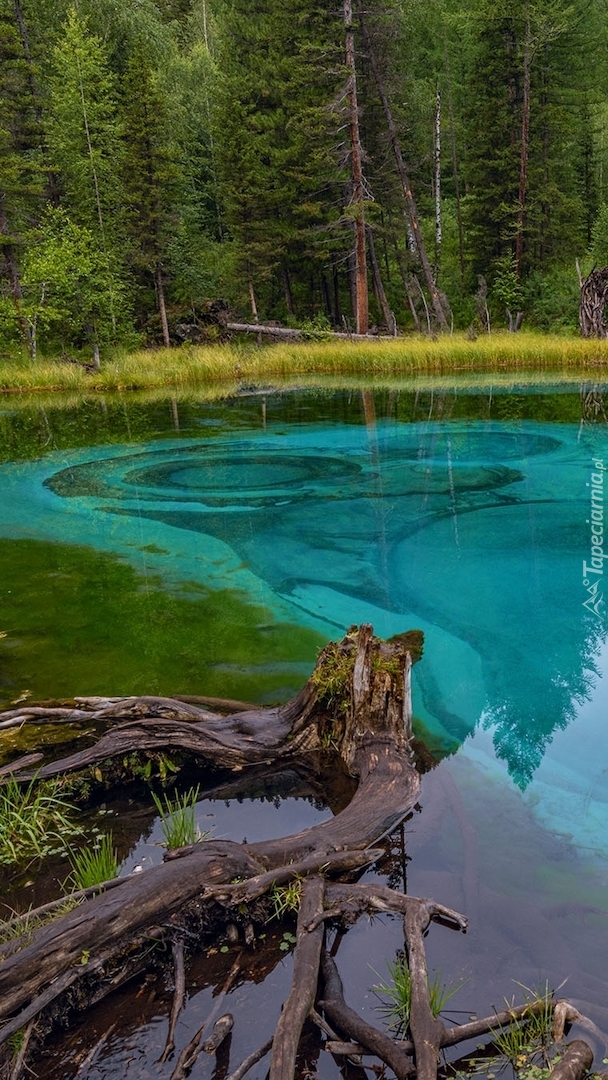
[(594, 297), (356, 705)]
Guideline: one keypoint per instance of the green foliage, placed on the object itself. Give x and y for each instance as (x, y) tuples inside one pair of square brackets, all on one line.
[(507, 290), (73, 288), (202, 151), (178, 822), (317, 329), (83, 130), (34, 821), (95, 864), (599, 238), (287, 941)]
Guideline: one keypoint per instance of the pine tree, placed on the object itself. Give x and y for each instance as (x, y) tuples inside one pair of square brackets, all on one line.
[(150, 177), (526, 104), (84, 144), (22, 177), (283, 180), (83, 131)]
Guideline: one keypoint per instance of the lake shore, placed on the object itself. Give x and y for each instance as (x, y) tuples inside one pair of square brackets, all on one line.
[(235, 364)]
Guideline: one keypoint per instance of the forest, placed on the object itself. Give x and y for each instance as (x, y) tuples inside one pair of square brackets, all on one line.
[(384, 167)]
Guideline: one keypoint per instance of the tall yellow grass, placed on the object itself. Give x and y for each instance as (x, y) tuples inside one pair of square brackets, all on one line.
[(192, 366)]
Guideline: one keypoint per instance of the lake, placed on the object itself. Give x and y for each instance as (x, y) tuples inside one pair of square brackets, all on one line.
[(191, 546)]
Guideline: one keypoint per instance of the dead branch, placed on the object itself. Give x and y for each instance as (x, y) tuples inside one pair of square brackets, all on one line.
[(179, 994), (353, 1025), (250, 1061), (575, 1063), (303, 991)]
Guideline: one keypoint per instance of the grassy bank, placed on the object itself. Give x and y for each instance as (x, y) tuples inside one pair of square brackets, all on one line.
[(191, 366)]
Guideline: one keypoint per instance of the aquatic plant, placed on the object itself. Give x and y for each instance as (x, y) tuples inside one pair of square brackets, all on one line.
[(286, 898), (92, 865), (397, 990), (34, 821), (178, 821), (524, 1046)]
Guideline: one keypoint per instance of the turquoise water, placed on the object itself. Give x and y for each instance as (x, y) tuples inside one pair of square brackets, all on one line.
[(251, 532)]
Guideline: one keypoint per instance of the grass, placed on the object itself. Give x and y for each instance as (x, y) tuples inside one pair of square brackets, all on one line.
[(286, 898), (93, 865), (178, 822), (190, 366), (526, 1047), (34, 821), (21, 928), (397, 993)]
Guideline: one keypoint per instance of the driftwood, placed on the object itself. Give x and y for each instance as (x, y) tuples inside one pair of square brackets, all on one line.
[(356, 705), (594, 297)]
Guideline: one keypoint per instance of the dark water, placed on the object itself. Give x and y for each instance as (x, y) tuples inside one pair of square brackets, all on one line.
[(193, 547)]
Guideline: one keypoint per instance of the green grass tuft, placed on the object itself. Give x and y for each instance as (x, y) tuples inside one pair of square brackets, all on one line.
[(178, 822), (397, 995), (286, 898), (93, 865), (34, 821)]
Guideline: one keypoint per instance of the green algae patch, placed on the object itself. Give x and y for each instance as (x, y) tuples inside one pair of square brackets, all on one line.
[(79, 622)]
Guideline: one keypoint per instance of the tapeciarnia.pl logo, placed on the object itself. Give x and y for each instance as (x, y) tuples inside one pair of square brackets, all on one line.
[(593, 571)]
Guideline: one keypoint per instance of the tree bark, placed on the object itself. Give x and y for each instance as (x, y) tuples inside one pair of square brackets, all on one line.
[(412, 211), (594, 298), (389, 318), (524, 149), (437, 163), (162, 307), (358, 198)]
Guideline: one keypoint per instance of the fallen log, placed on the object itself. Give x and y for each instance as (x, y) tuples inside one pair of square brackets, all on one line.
[(302, 335)]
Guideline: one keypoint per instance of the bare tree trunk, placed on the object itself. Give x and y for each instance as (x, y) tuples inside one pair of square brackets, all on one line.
[(437, 155), (438, 308), (361, 304), (525, 143), (404, 276), (287, 289), (160, 292), (455, 166), (389, 318)]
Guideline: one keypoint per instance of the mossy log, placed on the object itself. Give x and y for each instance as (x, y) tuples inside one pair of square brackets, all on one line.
[(356, 705)]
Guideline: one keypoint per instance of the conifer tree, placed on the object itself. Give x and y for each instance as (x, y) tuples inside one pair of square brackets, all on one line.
[(84, 144), (22, 178), (280, 69), (150, 177)]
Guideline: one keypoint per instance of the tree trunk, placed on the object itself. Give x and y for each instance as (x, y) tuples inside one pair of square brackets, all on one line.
[(455, 172), (389, 318), (437, 162), (162, 308), (524, 150), (358, 202), (412, 212)]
